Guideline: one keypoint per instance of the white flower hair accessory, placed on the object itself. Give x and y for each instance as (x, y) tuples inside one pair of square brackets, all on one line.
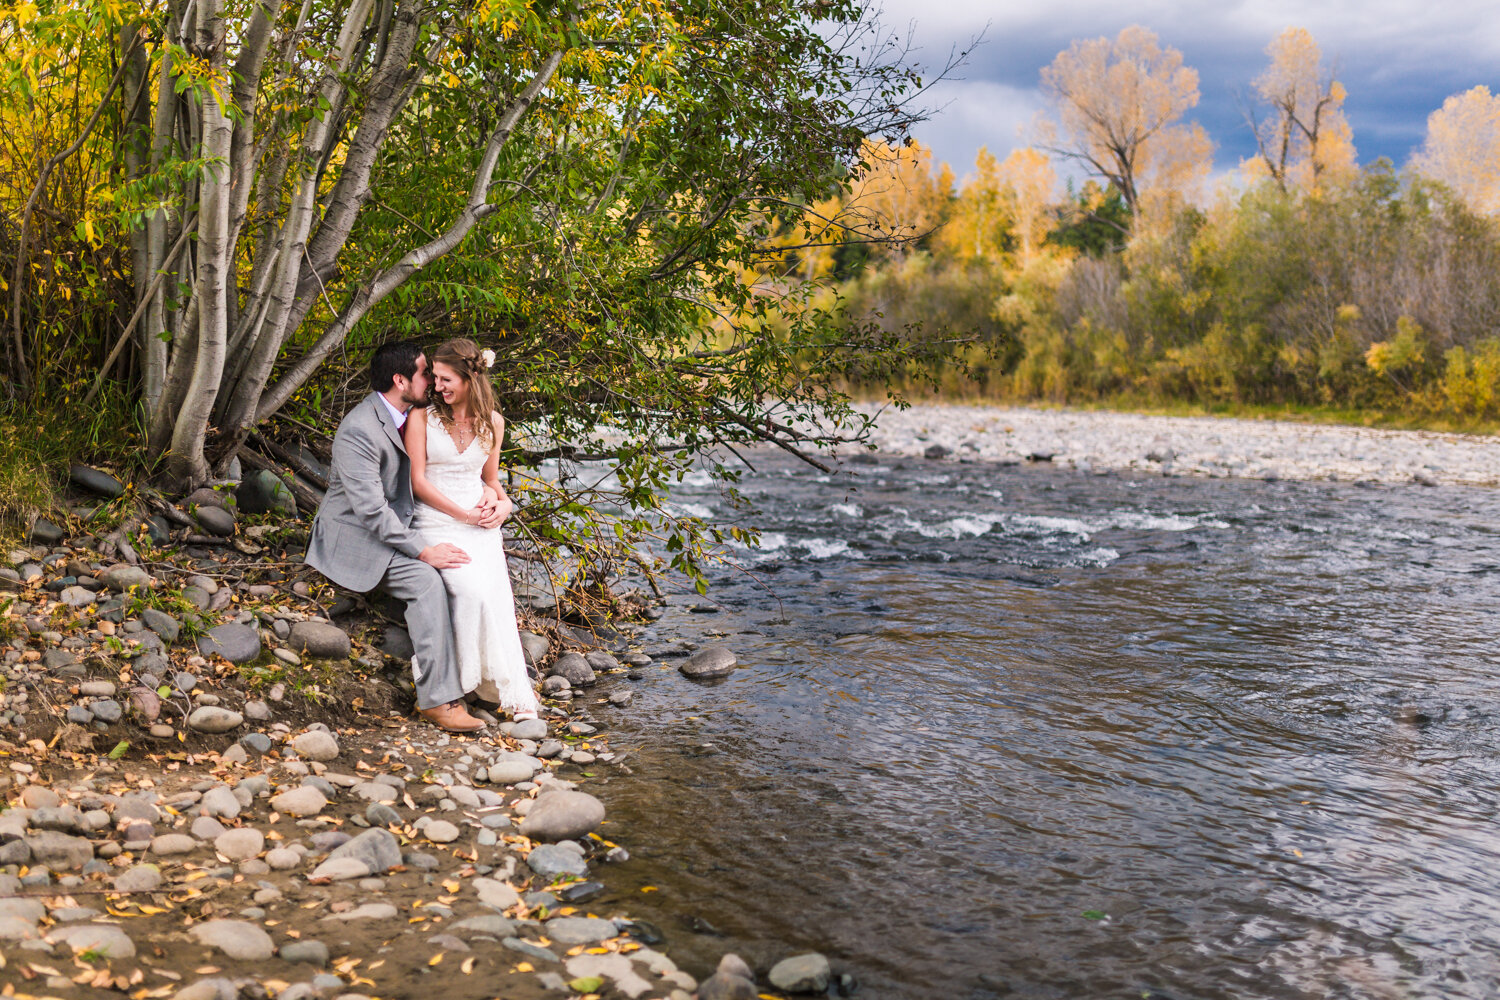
[(487, 358)]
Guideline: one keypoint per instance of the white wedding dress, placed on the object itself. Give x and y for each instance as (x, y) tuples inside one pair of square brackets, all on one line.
[(485, 638)]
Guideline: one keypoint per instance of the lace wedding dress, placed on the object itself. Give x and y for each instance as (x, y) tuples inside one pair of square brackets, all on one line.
[(485, 638)]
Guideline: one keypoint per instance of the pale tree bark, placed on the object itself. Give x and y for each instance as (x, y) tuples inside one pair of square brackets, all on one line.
[(186, 462)]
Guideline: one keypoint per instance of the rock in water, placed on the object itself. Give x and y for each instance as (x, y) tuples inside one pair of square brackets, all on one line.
[(238, 939), (529, 729), (214, 520), (723, 986), (534, 648), (550, 861), (709, 662), (575, 668), (579, 930), (319, 640), (212, 719), (562, 816), (95, 481), (236, 643), (801, 974)]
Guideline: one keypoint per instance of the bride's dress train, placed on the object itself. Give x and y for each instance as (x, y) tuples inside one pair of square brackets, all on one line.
[(485, 638)]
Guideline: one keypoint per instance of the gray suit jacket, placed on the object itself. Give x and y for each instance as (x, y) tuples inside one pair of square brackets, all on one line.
[(365, 517)]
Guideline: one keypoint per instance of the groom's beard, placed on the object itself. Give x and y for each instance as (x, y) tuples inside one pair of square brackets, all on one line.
[(414, 402)]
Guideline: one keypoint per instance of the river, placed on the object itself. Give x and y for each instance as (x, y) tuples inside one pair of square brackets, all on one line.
[(1014, 730)]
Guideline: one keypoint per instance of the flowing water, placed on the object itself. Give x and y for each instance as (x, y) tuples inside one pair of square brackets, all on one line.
[(1018, 731)]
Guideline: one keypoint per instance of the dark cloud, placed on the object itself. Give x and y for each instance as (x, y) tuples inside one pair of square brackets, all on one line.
[(1398, 61)]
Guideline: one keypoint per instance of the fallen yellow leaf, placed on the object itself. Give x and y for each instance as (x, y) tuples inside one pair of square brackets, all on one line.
[(435, 959), (468, 965)]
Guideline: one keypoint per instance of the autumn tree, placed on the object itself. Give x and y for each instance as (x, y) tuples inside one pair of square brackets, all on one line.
[(1118, 105), (1030, 178), (291, 179), (1305, 139), (1462, 148), (980, 218), (895, 193)]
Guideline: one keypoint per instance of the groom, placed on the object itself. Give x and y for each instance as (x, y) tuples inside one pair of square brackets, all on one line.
[(362, 539)]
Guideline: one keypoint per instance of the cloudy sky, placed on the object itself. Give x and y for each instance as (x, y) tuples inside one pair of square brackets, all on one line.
[(1398, 60)]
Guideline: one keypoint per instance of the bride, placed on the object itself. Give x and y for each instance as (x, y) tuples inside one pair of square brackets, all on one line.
[(454, 447)]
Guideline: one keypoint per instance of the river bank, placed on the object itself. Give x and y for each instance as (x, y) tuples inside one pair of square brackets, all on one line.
[(1198, 446), (214, 788)]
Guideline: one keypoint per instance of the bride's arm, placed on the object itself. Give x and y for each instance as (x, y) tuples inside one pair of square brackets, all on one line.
[(415, 436), (491, 476)]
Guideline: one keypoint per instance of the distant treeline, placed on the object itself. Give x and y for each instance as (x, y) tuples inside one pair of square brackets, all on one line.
[(1304, 281)]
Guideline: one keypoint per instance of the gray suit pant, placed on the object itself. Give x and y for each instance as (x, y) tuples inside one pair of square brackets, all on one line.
[(431, 627)]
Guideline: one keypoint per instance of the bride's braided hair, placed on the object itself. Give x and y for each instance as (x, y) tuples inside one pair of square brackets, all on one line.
[(468, 361)]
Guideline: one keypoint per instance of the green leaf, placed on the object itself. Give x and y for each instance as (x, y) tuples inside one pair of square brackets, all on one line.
[(586, 984), (1095, 915), (119, 750)]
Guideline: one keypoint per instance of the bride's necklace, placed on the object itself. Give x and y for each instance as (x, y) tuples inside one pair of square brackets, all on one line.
[(465, 432)]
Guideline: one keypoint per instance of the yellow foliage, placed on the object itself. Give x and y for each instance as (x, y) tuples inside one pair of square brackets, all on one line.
[(1306, 142), (1462, 148)]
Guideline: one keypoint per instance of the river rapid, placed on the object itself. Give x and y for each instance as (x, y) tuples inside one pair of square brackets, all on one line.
[(1022, 731)]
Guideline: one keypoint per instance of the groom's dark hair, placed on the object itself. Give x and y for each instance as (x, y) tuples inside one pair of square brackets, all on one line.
[(399, 357)]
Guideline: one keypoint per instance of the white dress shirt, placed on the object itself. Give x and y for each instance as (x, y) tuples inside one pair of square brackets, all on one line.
[(397, 415)]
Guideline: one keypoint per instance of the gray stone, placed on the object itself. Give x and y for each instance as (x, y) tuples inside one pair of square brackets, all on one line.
[(145, 703), (162, 624), (377, 848), (310, 952), (211, 719), (197, 597), (319, 640), (220, 801), (491, 924), (601, 661), (76, 597), (102, 939), (496, 894), (237, 845), (78, 715), (369, 911), (529, 729), (239, 939), (304, 800), (575, 668), (256, 742), (141, 878), (236, 643), (562, 816), (215, 988), (341, 869), (282, 859), (100, 483), (552, 860), (173, 843), (801, 974), (58, 850), (374, 791), (617, 969), (709, 662), (17, 929), (56, 659), (530, 950), (206, 828), (440, 831), (39, 797), (44, 532), (214, 520), (397, 642), (107, 710), (257, 710), (724, 986), (184, 681), (534, 648), (122, 577), (315, 744), (569, 931), (380, 814), (262, 491)]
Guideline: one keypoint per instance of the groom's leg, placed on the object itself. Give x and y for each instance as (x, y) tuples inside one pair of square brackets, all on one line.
[(431, 628)]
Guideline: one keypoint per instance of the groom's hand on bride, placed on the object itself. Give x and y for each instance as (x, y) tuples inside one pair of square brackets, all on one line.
[(443, 556)]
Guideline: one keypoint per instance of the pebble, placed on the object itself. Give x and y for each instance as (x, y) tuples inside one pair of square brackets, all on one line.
[(368, 911), (441, 832), (316, 744), (103, 940), (341, 869), (319, 640), (173, 843), (709, 662), (569, 931), (529, 729), (552, 860), (239, 939), (309, 952), (211, 719), (241, 843), (283, 859), (141, 878)]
